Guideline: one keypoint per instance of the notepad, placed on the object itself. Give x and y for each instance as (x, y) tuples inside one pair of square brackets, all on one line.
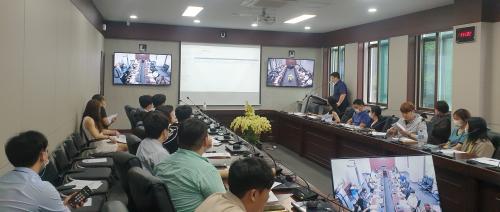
[(272, 198), (216, 155), (379, 134), (79, 184), (120, 139), (95, 160), (110, 118), (488, 161)]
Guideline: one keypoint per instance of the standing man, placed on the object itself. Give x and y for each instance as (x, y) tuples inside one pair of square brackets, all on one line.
[(339, 92)]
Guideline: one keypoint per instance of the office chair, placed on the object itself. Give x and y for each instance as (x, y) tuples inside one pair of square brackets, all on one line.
[(128, 110), (495, 139), (148, 192), (77, 160), (70, 173), (133, 142)]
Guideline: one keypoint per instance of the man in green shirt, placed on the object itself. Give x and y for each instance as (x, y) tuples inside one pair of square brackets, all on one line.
[(190, 178)]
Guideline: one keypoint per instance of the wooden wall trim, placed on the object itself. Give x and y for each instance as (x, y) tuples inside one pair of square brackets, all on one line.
[(437, 19), (411, 69), (360, 74), (161, 32), (90, 12), (326, 71)]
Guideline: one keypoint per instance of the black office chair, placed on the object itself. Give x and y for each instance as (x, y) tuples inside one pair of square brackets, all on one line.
[(69, 173), (390, 121), (133, 143), (78, 161), (129, 110), (495, 139), (148, 192), (123, 163)]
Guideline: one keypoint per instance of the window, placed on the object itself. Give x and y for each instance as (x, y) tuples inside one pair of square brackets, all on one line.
[(434, 68), (377, 72), (337, 58)]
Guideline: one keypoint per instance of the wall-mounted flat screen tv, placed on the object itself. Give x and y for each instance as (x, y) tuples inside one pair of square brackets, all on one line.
[(290, 72), (142, 69)]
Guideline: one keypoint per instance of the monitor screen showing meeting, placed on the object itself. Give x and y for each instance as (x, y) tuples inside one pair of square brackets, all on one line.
[(289, 72), (386, 183), (142, 69)]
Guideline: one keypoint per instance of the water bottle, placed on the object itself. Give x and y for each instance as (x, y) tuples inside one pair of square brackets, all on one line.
[(204, 106), (420, 135)]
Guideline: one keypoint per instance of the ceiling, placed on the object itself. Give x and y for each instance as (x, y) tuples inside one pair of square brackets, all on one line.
[(331, 14)]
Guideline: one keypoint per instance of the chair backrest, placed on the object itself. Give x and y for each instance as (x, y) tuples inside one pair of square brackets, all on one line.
[(140, 132), (80, 143), (128, 110), (390, 121), (61, 160), (71, 150), (495, 139), (148, 192), (349, 112), (51, 174), (123, 162), (133, 143), (114, 206)]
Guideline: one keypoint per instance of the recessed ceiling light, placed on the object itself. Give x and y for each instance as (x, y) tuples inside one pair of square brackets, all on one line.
[(255, 25), (372, 10), (197, 21), (307, 27), (133, 17), (299, 19), (192, 11)]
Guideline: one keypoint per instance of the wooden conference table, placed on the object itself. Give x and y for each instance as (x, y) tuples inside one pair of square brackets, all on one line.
[(284, 197), (462, 186)]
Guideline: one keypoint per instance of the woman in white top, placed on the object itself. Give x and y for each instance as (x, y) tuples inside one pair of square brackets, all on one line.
[(94, 132)]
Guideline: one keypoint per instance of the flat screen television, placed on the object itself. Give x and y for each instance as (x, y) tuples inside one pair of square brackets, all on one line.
[(142, 69), (403, 183), (290, 72)]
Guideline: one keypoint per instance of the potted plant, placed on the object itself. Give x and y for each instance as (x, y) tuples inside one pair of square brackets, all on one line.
[(251, 126)]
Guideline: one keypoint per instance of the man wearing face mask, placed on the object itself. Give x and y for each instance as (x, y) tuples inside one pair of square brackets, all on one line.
[(290, 78), (22, 188), (360, 117), (151, 152), (250, 181), (339, 92)]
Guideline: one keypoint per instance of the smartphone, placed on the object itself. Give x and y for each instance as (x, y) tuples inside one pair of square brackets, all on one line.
[(80, 196)]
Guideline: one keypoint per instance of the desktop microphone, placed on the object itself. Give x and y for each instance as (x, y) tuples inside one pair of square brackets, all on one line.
[(193, 104)]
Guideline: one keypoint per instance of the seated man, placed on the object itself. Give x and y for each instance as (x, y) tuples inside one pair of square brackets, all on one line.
[(440, 124), (158, 100), (183, 112), (360, 117), (22, 189), (189, 176), (151, 151), (146, 102), (250, 181), (410, 125)]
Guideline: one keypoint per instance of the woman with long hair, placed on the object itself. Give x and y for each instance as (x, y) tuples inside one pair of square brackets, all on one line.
[(458, 133), (478, 143), (93, 130)]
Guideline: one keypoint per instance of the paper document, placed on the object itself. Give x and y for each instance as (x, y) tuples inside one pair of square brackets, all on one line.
[(88, 202), (272, 197), (95, 160), (79, 184), (488, 161), (381, 134), (120, 139), (450, 152), (400, 126), (216, 155), (110, 118)]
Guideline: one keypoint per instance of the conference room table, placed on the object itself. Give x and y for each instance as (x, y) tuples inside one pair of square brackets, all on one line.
[(223, 163), (462, 186)]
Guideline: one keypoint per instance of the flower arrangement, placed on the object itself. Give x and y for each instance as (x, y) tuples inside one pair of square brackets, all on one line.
[(250, 125)]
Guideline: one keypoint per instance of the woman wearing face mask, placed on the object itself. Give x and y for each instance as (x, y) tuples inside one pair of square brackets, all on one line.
[(334, 111), (376, 116), (458, 135), (412, 124), (478, 143)]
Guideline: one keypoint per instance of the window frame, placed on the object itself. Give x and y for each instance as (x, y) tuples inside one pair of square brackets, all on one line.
[(419, 42), (369, 45), (336, 68)]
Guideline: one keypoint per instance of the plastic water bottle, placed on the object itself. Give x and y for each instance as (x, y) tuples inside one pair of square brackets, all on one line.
[(204, 106), (420, 135)]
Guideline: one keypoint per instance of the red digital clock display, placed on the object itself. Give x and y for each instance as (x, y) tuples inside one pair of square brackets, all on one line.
[(466, 34)]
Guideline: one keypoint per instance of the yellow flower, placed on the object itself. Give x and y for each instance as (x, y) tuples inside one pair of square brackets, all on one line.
[(251, 121)]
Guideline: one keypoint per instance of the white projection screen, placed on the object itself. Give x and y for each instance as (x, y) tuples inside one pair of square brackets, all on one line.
[(220, 74)]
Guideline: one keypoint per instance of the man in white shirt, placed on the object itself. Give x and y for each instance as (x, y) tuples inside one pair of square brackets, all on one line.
[(22, 189), (151, 151)]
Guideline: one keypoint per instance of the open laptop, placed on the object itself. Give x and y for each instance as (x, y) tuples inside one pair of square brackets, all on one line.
[(403, 183)]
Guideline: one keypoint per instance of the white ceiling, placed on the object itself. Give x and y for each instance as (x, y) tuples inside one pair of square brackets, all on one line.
[(331, 14)]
